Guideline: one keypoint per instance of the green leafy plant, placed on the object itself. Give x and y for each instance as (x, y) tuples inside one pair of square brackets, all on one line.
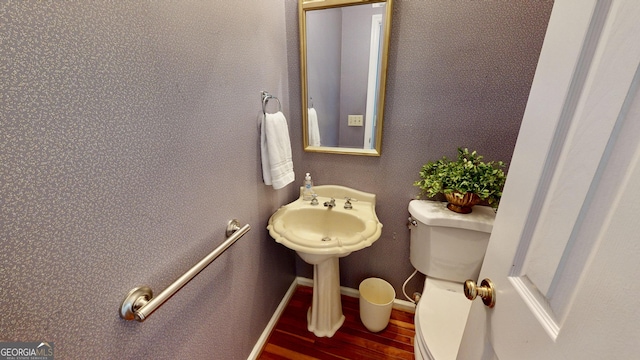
[(469, 174)]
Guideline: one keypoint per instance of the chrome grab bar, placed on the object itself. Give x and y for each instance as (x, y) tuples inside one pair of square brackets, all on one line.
[(140, 302)]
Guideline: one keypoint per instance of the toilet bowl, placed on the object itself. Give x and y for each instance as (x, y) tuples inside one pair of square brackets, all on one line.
[(448, 248), (441, 315)]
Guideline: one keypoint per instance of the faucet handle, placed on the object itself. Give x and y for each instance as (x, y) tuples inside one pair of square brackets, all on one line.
[(314, 199), (347, 204)]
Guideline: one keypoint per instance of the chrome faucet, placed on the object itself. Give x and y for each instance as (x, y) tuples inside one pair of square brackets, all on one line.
[(331, 203)]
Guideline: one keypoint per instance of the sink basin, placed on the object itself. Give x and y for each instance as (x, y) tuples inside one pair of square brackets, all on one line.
[(321, 235), (319, 230)]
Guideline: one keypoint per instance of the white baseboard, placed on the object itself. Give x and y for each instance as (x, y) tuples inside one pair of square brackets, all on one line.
[(262, 340), (398, 304)]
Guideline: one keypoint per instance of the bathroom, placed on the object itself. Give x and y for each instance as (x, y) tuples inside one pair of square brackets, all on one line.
[(129, 137)]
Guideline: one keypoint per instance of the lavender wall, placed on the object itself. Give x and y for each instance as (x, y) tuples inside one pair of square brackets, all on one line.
[(324, 29), (128, 138), (459, 75)]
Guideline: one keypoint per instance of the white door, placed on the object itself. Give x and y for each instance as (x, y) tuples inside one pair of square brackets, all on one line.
[(371, 112), (564, 254)]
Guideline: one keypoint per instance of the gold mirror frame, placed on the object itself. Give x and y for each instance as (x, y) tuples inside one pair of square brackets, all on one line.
[(310, 5)]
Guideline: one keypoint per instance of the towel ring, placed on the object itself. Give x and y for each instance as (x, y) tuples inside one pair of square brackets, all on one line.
[(265, 99)]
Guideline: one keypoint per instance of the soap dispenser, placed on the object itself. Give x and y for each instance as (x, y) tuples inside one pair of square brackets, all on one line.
[(307, 191)]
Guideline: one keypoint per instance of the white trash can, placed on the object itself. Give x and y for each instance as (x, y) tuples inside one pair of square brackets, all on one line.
[(376, 301)]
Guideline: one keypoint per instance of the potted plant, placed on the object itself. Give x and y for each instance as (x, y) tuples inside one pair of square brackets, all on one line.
[(465, 182)]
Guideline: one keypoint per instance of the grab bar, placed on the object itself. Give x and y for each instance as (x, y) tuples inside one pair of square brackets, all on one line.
[(140, 302)]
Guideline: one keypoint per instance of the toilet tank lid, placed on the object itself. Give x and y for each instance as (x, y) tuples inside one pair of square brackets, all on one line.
[(435, 213)]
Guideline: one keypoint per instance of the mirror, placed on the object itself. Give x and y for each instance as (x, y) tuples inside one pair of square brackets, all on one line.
[(344, 46)]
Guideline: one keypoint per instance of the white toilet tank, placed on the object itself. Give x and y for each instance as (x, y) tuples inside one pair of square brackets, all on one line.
[(447, 245)]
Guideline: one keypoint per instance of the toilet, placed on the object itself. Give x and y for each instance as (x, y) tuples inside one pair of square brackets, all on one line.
[(448, 248)]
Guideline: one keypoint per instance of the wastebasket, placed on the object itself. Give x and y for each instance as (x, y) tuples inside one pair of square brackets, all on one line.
[(376, 301)]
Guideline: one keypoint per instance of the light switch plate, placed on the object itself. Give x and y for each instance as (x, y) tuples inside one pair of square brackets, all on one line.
[(355, 120)]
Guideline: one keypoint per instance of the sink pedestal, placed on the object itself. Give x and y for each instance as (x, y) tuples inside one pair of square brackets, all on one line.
[(325, 316)]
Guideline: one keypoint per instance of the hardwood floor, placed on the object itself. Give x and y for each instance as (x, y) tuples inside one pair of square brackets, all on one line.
[(290, 338)]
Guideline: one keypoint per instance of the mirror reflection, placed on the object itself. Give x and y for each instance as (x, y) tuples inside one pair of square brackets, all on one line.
[(344, 58)]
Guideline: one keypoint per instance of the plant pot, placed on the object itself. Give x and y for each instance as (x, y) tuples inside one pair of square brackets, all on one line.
[(462, 204)]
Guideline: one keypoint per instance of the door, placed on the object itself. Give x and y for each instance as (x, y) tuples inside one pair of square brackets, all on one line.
[(565, 248), (372, 83)]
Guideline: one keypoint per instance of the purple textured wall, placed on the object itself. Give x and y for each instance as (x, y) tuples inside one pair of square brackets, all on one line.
[(459, 75), (324, 28), (128, 139)]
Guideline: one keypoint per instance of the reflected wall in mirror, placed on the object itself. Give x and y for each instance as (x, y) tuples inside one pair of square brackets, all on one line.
[(344, 46)]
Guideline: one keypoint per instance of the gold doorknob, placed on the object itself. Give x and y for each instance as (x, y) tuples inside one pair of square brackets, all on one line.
[(486, 291)]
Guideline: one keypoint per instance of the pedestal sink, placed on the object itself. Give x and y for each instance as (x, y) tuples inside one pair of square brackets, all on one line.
[(321, 235)]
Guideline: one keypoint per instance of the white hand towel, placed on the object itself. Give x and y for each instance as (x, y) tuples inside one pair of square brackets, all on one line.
[(277, 165), (314, 130)]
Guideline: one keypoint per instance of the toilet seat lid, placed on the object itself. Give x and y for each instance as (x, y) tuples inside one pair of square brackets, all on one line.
[(441, 317)]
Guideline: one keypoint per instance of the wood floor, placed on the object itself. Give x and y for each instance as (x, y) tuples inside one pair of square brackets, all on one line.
[(290, 338)]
